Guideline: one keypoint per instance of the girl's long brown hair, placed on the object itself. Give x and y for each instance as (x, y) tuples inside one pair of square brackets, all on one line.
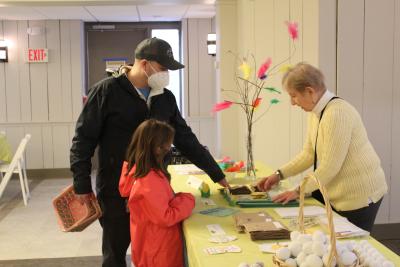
[(149, 139)]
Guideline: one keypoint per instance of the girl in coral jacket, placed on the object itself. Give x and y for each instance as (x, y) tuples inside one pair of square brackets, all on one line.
[(155, 211)]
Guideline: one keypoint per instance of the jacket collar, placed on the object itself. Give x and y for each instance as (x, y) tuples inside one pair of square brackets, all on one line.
[(126, 83)]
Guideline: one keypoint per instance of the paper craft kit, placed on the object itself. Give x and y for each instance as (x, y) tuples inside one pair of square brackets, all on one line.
[(247, 196), (260, 226)]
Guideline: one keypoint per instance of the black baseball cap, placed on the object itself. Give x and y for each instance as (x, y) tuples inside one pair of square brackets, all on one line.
[(158, 50)]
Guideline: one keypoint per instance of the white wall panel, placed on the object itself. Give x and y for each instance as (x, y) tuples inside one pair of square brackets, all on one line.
[(54, 71), (77, 66), (66, 72), (206, 74), (24, 73), (350, 55), (11, 72), (368, 70), (378, 88), (34, 149), (199, 80), (41, 98), (14, 136), (38, 77), (48, 151), (394, 211), (3, 98), (61, 145)]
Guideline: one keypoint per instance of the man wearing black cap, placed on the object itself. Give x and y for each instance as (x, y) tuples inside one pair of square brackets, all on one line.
[(114, 109)]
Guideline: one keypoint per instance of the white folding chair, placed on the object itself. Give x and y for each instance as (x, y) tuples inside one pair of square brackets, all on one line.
[(17, 165)]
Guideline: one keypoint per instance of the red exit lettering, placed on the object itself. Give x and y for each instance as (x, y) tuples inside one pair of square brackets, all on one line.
[(37, 55)]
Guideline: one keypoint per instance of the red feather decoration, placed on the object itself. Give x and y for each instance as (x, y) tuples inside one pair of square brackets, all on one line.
[(222, 105)]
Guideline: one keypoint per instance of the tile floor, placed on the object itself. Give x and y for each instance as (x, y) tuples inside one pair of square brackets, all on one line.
[(29, 235)]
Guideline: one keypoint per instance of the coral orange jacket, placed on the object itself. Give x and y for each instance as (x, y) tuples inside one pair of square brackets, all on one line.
[(155, 216)]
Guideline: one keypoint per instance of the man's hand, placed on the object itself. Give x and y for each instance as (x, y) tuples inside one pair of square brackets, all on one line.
[(224, 183), (287, 196), (85, 198), (268, 182)]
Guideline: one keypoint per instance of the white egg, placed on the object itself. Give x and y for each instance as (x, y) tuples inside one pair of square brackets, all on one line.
[(294, 235), (314, 261), (303, 238), (260, 263), (381, 260), (340, 248), (295, 248), (244, 264), (307, 247), (388, 264), (256, 265), (283, 253), (368, 260), (319, 236), (325, 260), (348, 257), (301, 258), (291, 262), (375, 263), (371, 251), (365, 244), (318, 248), (376, 254), (305, 264)]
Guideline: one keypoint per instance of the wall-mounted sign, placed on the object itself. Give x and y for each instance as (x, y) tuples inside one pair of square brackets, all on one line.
[(37, 55)]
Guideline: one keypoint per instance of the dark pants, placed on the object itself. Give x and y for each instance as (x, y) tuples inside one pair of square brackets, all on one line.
[(116, 234), (363, 218)]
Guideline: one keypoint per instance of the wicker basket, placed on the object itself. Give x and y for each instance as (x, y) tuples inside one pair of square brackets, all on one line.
[(331, 229), (72, 215)]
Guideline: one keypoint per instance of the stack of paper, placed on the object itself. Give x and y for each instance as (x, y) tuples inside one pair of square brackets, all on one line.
[(309, 211), (344, 228)]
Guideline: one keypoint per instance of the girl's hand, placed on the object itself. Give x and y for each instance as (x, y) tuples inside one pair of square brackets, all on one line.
[(287, 196), (268, 182)]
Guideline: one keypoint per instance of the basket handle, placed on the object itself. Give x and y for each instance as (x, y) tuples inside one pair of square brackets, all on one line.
[(328, 208)]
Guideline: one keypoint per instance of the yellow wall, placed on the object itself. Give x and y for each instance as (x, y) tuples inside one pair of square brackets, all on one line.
[(258, 27)]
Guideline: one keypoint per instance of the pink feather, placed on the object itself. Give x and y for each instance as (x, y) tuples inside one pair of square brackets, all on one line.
[(263, 69), (292, 28), (222, 106)]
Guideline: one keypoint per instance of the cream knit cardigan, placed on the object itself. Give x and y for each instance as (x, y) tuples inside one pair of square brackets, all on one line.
[(348, 165)]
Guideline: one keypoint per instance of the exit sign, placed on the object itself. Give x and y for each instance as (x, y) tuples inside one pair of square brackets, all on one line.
[(37, 55)]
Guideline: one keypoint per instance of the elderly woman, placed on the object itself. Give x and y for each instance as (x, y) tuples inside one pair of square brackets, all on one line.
[(337, 146)]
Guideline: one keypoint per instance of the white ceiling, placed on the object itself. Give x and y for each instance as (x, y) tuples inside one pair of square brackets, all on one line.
[(116, 11)]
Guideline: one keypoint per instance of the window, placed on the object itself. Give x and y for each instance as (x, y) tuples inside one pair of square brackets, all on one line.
[(172, 37)]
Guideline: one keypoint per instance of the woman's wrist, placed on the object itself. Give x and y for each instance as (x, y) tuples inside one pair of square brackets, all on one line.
[(279, 174)]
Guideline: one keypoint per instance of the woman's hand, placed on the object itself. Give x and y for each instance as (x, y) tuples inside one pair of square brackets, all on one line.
[(287, 196), (268, 182)]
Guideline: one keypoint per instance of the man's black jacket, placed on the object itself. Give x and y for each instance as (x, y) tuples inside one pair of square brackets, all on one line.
[(112, 113)]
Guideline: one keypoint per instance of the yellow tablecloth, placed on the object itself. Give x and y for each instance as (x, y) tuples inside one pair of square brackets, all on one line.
[(5, 150), (197, 235)]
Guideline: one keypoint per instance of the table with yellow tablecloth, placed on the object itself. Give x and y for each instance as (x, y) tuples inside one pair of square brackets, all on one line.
[(5, 150), (197, 235)]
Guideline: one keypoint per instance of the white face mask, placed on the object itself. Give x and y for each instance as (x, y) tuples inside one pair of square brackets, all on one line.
[(158, 80)]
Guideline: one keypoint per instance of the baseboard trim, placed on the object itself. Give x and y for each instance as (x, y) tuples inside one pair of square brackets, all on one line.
[(48, 173)]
